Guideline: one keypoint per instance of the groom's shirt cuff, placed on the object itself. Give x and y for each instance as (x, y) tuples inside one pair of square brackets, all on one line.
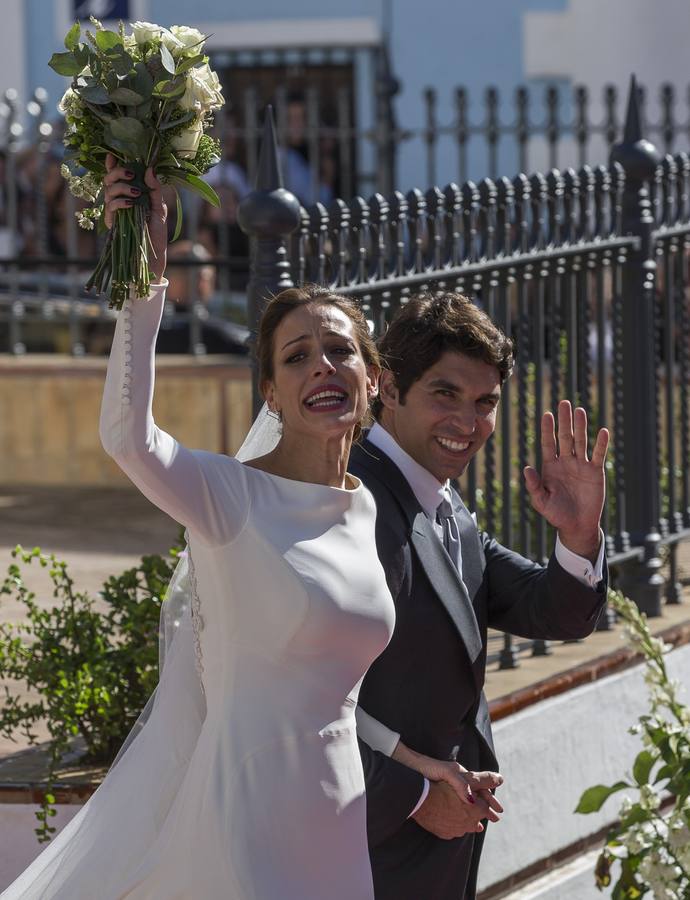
[(425, 794), (578, 566)]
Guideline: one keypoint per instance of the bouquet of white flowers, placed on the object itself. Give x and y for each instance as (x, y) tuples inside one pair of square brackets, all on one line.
[(147, 98)]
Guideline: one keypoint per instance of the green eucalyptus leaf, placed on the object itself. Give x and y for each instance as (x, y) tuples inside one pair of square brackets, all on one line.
[(169, 90), (106, 40), (65, 64), (167, 60), (82, 54), (643, 766), (72, 36), (129, 135), (126, 97), (594, 798), (173, 123), (141, 81), (127, 128), (94, 93), (154, 67), (143, 111), (121, 62), (100, 112)]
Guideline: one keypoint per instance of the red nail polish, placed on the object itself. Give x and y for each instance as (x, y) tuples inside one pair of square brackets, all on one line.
[(129, 173), (471, 798), (135, 191)]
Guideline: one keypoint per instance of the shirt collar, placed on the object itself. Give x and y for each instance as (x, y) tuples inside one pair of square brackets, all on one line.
[(428, 490)]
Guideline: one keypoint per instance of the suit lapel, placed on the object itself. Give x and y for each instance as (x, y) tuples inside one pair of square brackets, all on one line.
[(447, 584), (437, 565)]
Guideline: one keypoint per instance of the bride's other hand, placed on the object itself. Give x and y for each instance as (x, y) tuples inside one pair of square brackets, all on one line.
[(466, 784), (121, 194)]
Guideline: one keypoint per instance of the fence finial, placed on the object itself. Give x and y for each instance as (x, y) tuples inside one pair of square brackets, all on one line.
[(633, 120), (269, 214), (638, 156), (269, 175)]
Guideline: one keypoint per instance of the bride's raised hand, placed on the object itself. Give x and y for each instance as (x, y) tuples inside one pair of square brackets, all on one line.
[(121, 194)]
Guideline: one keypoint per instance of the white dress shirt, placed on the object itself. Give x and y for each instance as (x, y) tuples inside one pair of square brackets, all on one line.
[(429, 492)]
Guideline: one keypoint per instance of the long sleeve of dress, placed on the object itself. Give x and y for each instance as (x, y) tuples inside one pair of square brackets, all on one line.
[(205, 492), (375, 733)]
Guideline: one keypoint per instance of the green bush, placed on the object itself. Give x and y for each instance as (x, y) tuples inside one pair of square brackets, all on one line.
[(92, 666)]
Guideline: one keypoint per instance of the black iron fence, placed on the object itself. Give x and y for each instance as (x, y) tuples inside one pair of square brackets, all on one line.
[(330, 147), (586, 269)]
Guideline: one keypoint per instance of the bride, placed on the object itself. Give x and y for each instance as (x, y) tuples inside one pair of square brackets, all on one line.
[(246, 781), (243, 779)]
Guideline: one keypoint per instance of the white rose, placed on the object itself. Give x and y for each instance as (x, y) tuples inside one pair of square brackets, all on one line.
[(145, 32), (203, 90), (189, 40), (186, 144)]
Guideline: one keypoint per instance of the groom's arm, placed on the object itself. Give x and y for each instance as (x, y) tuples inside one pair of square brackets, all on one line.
[(548, 602), (393, 793)]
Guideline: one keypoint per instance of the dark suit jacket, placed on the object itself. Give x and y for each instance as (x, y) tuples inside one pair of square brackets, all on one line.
[(427, 684)]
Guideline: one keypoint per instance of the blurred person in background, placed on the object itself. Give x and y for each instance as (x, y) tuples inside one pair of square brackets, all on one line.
[(191, 288)]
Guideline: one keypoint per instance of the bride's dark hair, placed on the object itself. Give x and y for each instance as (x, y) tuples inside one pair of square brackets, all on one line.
[(291, 298)]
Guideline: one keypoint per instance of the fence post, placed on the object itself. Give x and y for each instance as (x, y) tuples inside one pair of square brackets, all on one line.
[(268, 215), (641, 580)]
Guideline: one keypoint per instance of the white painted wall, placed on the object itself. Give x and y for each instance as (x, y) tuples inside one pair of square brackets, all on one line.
[(550, 753), (13, 72), (592, 43)]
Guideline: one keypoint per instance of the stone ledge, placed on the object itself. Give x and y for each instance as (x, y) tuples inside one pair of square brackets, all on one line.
[(593, 670)]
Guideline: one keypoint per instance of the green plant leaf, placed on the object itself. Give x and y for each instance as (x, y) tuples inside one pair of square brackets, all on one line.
[(94, 93), (173, 123), (106, 40), (198, 186), (594, 798), (65, 64), (129, 135), (634, 817), (167, 60), (72, 36), (120, 60), (178, 215), (643, 766), (189, 63), (169, 90), (126, 97), (143, 111), (82, 54), (141, 81), (663, 773)]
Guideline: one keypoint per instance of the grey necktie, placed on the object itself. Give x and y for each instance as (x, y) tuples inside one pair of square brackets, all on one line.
[(451, 536)]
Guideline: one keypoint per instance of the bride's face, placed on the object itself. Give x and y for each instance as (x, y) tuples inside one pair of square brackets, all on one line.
[(321, 383)]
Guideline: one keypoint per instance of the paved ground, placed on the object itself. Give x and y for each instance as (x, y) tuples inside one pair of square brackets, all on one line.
[(101, 532)]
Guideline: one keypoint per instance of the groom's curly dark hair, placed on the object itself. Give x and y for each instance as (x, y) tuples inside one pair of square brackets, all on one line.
[(430, 324)]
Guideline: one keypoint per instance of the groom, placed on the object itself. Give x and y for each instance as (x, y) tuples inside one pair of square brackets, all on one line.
[(450, 582)]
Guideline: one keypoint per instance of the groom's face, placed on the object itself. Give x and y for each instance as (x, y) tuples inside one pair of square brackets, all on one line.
[(447, 415)]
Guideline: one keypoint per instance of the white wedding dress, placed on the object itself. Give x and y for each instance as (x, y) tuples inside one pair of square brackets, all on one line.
[(245, 783)]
